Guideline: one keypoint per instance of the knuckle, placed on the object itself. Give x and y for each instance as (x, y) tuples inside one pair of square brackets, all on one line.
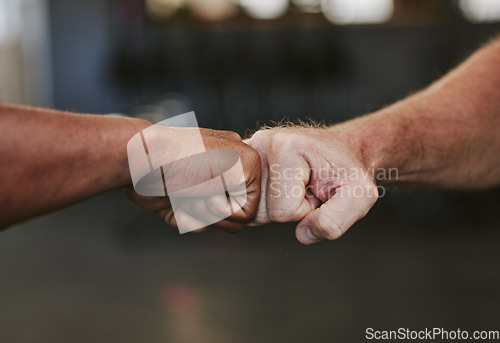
[(253, 156), (247, 212), (328, 227), (365, 204), (261, 139), (232, 135), (372, 195), (283, 141), (364, 212), (252, 163)]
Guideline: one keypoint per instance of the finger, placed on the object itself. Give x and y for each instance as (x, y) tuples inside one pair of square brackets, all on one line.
[(284, 178), (261, 216), (199, 230), (234, 208), (241, 183), (286, 199), (245, 207), (146, 202), (198, 210), (229, 226), (332, 219), (313, 200), (169, 218), (186, 223), (220, 206)]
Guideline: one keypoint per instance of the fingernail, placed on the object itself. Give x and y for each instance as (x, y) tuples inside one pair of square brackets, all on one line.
[(306, 235)]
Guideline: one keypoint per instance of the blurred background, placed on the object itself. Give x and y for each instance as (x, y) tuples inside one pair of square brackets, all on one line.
[(106, 271)]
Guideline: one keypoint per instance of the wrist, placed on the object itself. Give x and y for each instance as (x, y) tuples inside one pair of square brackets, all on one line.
[(359, 140), (371, 138), (127, 128)]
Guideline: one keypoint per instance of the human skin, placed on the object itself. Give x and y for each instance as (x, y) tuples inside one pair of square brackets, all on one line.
[(51, 159), (445, 136)]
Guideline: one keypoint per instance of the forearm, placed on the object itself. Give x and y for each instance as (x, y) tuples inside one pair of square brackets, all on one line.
[(447, 135), (51, 159)]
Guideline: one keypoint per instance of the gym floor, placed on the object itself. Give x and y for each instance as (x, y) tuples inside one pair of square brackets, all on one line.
[(106, 271)]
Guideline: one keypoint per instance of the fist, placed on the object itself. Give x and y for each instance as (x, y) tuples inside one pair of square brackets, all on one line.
[(220, 185), (311, 175)]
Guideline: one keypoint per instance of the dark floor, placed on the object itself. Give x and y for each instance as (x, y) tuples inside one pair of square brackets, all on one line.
[(105, 271)]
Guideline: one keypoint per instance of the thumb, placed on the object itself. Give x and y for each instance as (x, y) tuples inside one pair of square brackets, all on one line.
[(332, 219)]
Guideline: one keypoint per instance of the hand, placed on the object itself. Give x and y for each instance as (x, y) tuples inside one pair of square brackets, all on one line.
[(207, 202), (313, 176)]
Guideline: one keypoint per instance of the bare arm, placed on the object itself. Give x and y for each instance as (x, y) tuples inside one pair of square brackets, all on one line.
[(50, 159), (447, 135)]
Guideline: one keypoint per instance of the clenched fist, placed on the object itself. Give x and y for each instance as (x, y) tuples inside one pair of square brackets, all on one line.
[(219, 185), (313, 176)]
